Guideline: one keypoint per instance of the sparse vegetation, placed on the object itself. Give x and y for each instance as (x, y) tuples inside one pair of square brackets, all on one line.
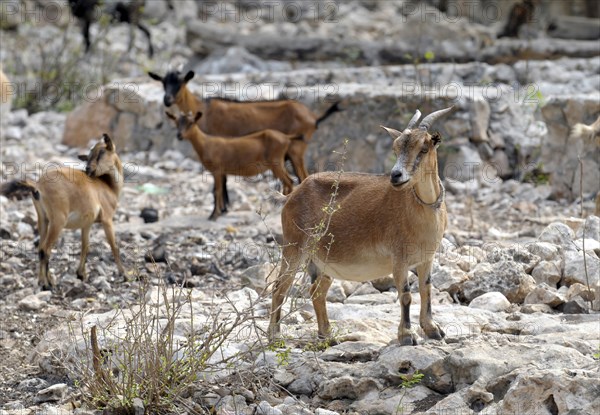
[(408, 381)]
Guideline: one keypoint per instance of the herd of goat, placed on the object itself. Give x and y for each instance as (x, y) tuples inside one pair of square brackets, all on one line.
[(376, 226), (380, 224)]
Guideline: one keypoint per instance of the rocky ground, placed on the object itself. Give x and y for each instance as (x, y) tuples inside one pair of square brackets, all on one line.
[(514, 291), (508, 281)]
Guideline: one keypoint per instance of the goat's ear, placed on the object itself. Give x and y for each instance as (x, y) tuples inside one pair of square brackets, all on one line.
[(188, 76), (393, 133), (83, 157), (171, 116), (155, 76), (436, 139), (109, 144), (198, 116)]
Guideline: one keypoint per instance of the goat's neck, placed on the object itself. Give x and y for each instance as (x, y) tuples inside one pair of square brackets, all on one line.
[(428, 189), (115, 179), (187, 102), (198, 140)]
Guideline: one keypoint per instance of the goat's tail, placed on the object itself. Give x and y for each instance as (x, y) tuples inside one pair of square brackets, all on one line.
[(19, 189), (276, 198), (334, 108)]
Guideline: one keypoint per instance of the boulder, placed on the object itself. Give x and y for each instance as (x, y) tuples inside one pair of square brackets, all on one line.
[(543, 294), (506, 277), (492, 301), (553, 391), (558, 233), (547, 272), (581, 270), (89, 121), (448, 279)]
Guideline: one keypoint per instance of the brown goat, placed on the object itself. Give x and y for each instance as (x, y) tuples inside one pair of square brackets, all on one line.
[(74, 199), (242, 156), (229, 118), (376, 228)]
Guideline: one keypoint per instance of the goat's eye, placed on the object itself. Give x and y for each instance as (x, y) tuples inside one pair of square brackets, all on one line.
[(425, 150)]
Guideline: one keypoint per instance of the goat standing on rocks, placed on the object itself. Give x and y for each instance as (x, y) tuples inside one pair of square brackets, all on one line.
[(74, 199), (374, 228), (242, 156)]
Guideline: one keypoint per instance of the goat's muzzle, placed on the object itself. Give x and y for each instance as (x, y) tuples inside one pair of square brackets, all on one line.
[(168, 100), (88, 171), (398, 178), (180, 136)]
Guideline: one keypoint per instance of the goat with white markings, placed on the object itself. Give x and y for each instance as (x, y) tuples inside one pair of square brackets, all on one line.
[(381, 225), (75, 199), (248, 155)]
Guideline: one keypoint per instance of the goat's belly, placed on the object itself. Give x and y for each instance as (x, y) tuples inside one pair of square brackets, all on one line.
[(78, 220), (357, 271)]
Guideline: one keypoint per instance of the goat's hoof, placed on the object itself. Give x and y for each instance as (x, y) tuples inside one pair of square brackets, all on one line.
[(46, 287), (435, 332), (81, 276), (407, 340)]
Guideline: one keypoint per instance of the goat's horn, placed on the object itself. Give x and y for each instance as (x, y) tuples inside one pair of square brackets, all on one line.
[(414, 120), (433, 117)]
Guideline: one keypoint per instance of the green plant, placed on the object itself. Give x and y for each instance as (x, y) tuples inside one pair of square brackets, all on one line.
[(282, 352), (324, 344), (408, 381), (536, 175)]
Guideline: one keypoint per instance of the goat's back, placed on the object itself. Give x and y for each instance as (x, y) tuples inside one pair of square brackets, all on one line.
[(70, 190), (370, 219), (233, 119)]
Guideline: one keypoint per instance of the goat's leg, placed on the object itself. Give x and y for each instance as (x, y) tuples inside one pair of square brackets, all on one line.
[(289, 266), (405, 335), (42, 223), (109, 231), (55, 226), (85, 31), (218, 193), (318, 294), (295, 153), (431, 329), (145, 30), (280, 172), (225, 195), (85, 244)]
